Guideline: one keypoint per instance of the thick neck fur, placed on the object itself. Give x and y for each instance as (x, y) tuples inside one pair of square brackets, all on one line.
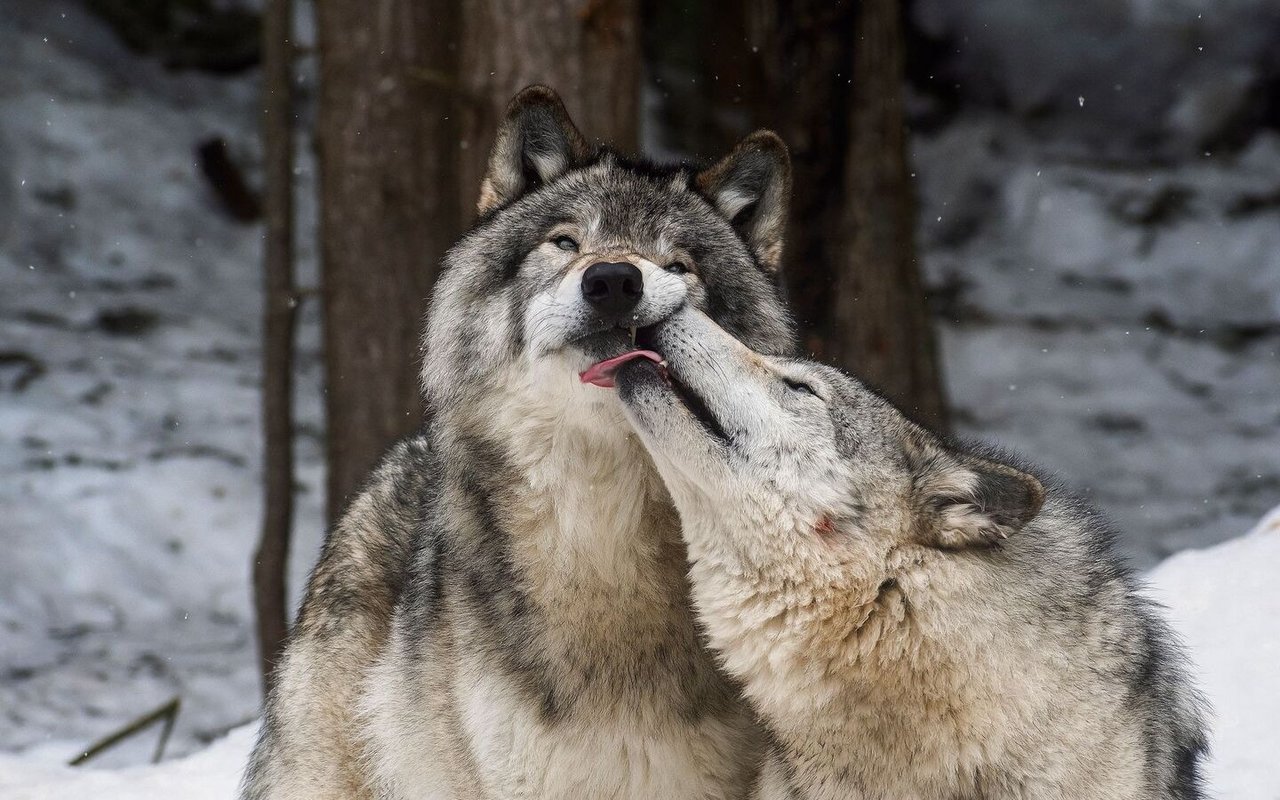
[(891, 665), (582, 480), (781, 611), (589, 527)]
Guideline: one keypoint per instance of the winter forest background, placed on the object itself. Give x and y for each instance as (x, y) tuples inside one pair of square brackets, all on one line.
[(1054, 224)]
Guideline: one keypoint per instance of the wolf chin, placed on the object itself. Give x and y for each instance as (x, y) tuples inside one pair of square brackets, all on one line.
[(910, 618), (503, 611)]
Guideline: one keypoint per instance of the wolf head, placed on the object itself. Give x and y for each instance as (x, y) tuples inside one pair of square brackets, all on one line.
[(578, 252), (807, 456)]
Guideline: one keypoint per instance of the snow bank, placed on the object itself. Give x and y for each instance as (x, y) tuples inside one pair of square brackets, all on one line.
[(1117, 326), (129, 393), (1119, 75), (1224, 600), (212, 774)]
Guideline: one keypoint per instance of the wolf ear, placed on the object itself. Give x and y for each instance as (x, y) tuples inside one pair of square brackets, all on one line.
[(965, 501), (536, 143), (752, 188)]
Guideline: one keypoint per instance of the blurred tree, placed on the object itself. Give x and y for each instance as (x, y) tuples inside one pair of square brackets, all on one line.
[(280, 301), (587, 50), (187, 34), (388, 155), (410, 98), (827, 75)]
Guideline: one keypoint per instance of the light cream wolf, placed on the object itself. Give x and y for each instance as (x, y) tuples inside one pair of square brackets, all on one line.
[(503, 612), (912, 620)]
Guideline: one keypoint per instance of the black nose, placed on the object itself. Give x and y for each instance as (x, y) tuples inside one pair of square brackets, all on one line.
[(613, 288)]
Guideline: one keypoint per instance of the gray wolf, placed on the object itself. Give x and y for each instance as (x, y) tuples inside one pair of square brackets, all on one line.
[(503, 612), (910, 618)]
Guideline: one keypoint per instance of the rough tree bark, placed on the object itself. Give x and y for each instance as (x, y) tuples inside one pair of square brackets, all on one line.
[(388, 156), (879, 313), (411, 93), (587, 50), (279, 303), (827, 75)]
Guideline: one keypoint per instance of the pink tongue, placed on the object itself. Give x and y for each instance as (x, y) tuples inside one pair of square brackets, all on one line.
[(601, 374)]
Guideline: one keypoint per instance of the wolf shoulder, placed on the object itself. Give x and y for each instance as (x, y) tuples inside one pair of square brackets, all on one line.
[(310, 745), (367, 554), (1065, 570)]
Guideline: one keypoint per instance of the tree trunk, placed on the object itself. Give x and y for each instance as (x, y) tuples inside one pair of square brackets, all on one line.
[(411, 93), (587, 50), (388, 156), (827, 75), (279, 302), (880, 318)]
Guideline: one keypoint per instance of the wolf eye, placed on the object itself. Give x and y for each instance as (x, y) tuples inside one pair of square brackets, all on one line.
[(565, 243), (676, 268), (801, 386)]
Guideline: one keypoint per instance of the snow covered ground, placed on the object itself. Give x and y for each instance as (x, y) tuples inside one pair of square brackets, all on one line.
[(1234, 638), (129, 380), (1225, 601), (1120, 326), (212, 774), (1149, 78)]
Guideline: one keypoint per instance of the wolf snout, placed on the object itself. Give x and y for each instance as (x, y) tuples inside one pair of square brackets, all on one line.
[(613, 288)]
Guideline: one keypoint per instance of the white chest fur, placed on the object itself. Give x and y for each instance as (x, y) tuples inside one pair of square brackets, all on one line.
[(590, 536), (520, 755)]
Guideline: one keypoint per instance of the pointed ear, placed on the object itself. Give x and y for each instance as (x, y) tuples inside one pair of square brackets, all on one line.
[(536, 143), (752, 188), (965, 501)]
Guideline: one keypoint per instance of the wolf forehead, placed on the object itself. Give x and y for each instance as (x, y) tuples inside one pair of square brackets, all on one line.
[(613, 202), (861, 416), (614, 207)]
